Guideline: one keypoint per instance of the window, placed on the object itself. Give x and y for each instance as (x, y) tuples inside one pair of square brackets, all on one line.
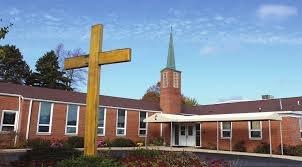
[(101, 121), (165, 79), (226, 129), (142, 125), (255, 129), (175, 79), (121, 122), (72, 119), (300, 120), (45, 117), (8, 121)]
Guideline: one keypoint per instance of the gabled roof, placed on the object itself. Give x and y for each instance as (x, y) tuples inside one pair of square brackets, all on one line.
[(74, 97)]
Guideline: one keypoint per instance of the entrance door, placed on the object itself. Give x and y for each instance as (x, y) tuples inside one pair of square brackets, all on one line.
[(187, 135)]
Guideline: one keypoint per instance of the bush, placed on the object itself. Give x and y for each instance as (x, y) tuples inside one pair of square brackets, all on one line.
[(88, 162), (38, 143), (147, 153), (75, 142), (263, 148), (240, 146), (293, 150), (122, 142), (158, 141)]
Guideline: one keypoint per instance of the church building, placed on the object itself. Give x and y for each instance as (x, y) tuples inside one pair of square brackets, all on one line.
[(34, 112)]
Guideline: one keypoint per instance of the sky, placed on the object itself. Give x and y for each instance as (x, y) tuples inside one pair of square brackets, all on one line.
[(226, 50)]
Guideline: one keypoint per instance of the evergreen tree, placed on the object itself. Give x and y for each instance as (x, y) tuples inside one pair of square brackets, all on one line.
[(4, 30), (48, 73), (12, 66)]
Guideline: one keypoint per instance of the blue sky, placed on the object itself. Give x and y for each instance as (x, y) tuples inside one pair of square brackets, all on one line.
[(226, 50)]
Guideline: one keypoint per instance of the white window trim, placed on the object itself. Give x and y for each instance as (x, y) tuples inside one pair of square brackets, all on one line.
[(104, 128), (221, 130), (15, 123), (139, 128), (72, 126), (125, 120), (255, 138), (50, 121)]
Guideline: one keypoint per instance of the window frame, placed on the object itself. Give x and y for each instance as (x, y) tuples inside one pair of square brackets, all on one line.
[(250, 130), (176, 80), (222, 130), (72, 126), (125, 126), (139, 128), (104, 127), (15, 123), (50, 121)]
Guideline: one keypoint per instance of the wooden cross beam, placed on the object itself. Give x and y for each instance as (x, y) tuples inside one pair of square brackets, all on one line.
[(93, 61)]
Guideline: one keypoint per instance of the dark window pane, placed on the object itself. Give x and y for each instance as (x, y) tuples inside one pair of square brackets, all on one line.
[(142, 132), (71, 129), (190, 130), (45, 113), (121, 118), (197, 134), (43, 129), (142, 115), (7, 128), (120, 131), (72, 115), (182, 130), (101, 117), (226, 134), (100, 131), (9, 118), (255, 134), (176, 137)]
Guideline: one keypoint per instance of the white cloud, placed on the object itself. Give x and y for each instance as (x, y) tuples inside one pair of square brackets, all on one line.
[(51, 18), (276, 11), (207, 50)]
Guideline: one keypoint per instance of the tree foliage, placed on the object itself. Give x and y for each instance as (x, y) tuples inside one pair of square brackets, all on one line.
[(4, 30), (48, 73), (12, 66), (153, 94)]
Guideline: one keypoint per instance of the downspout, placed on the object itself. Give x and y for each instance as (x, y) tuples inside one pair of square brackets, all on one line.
[(18, 119), (280, 103)]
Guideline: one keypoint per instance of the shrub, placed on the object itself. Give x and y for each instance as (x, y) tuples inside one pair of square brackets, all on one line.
[(293, 150), (240, 146), (263, 148), (88, 162), (38, 143), (158, 141), (122, 142), (147, 153), (75, 141)]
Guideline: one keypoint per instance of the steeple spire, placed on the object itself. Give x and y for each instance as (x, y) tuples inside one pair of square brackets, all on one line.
[(171, 60)]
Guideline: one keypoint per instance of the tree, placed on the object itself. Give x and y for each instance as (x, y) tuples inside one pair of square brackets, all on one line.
[(12, 66), (4, 30), (48, 73), (75, 76), (153, 94)]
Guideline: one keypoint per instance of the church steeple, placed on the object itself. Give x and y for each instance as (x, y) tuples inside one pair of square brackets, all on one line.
[(171, 59)]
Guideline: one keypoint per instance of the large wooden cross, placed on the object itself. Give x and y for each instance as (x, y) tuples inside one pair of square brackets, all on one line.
[(93, 61)]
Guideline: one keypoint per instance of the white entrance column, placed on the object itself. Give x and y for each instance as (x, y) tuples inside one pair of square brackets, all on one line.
[(217, 142), (281, 136), (146, 137), (270, 137)]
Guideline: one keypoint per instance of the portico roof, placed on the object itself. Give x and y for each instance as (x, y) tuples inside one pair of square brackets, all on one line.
[(256, 116)]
